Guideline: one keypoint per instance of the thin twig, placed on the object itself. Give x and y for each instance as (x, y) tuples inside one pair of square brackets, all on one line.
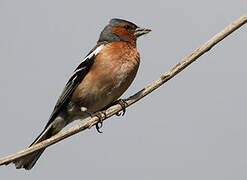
[(136, 97)]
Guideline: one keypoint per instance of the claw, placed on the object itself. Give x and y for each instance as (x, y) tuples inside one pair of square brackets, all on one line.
[(118, 113), (123, 104), (99, 124)]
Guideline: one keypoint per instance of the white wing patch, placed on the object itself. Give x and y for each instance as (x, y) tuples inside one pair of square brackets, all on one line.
[(94, 53)]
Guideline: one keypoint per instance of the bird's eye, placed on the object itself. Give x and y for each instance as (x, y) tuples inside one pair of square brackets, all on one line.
[(127, 27)]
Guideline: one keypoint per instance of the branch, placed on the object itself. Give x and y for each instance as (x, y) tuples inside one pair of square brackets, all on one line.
[(136, 97)]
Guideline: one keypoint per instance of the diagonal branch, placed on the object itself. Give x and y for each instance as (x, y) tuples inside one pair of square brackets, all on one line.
[(136, 97)]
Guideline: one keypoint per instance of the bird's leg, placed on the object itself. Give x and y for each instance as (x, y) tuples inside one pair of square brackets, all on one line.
[(99, 124), (123, 104)]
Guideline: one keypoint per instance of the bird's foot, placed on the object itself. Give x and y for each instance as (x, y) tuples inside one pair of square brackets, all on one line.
[(123, 104), (101, 115)]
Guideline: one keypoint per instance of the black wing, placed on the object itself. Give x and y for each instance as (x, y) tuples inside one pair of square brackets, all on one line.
[(77, 76)]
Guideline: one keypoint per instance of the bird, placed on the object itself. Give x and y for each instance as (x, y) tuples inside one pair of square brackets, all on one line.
[(101, 78)]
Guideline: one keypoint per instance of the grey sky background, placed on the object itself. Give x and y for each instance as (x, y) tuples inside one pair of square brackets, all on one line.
[(193, 128)]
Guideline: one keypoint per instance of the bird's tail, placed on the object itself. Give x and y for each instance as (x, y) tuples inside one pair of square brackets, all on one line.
[(27, 162)]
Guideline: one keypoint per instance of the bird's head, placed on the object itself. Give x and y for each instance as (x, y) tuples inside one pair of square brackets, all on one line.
[(121, 30)]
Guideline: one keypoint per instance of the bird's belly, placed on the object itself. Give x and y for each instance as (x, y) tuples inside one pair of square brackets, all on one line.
[(100, 90)]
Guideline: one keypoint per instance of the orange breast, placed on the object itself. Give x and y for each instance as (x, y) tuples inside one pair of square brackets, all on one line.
[(113, 71)]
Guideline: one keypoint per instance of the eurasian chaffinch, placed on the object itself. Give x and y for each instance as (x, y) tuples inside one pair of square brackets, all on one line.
[(103, 76)]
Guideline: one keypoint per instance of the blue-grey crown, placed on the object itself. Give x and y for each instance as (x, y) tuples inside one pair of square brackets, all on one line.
[(116, 22), (106, 34)]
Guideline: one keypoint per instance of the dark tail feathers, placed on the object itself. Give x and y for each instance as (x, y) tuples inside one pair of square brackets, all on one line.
[(27, 162)]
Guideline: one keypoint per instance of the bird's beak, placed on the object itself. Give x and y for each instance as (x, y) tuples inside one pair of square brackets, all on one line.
[(141, 31)]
